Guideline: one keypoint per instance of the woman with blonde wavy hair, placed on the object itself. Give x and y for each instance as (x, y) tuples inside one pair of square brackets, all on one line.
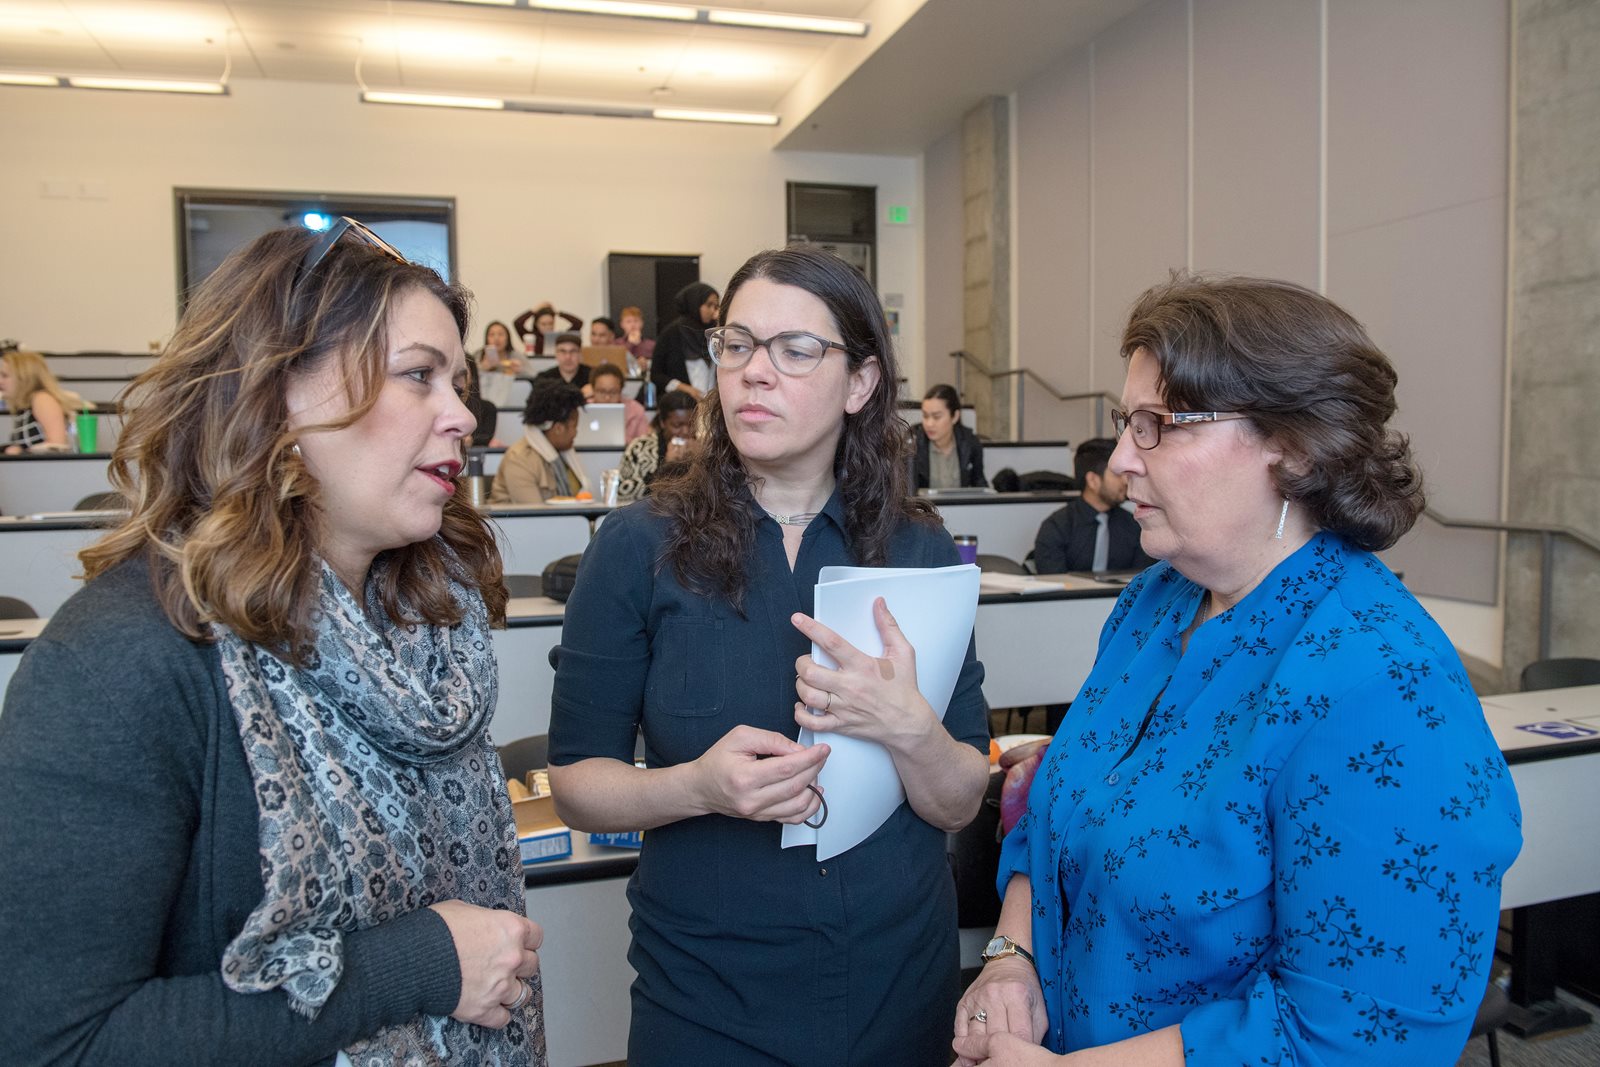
[(265, 715), (40, 408)]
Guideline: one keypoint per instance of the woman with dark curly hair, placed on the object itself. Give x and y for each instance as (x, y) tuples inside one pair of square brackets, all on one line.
[(542, 463), (267, 710), (1271, 828), (690, 621), (672, 441)]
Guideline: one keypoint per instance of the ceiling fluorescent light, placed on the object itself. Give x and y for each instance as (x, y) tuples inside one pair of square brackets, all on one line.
[(772, 20), (480, 103), (149, 85), (10, 78), (626, 8), (741, 118)]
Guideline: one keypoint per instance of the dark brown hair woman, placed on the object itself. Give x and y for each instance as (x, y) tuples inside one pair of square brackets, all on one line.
[(1272, 826), (265, 716), (690, 621)]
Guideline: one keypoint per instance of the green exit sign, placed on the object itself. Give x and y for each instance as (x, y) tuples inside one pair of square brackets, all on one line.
[(899, 215)]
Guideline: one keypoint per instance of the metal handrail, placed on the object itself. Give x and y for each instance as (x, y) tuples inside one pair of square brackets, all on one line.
[(1547, 541), (963, 357)]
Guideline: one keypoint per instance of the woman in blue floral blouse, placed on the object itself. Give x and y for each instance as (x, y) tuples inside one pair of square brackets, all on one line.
[(1272, 827)]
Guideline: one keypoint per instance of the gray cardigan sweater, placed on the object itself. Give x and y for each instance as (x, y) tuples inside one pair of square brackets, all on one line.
[(128, 833)]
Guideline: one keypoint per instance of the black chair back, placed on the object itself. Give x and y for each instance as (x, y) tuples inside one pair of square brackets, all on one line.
[(524, 585), (12, 608), (1000, 564), (110, 501), (974, 853), (525, 754), (1560, 673)]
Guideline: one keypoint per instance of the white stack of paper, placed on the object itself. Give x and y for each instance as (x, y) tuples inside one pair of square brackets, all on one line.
[(935, 608)]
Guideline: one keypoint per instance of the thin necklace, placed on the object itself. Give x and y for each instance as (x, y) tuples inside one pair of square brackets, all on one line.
[(802, 519)]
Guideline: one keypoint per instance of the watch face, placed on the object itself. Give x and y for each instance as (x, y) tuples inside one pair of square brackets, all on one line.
[(993, 948)]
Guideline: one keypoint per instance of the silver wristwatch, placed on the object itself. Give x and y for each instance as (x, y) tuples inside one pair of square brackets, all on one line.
[(1004, 946)]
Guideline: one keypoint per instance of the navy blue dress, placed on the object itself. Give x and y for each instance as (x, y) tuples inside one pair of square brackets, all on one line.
[(1298, 858), (748, 953)]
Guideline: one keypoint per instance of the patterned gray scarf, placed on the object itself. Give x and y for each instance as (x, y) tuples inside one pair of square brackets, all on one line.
[(379, 792)]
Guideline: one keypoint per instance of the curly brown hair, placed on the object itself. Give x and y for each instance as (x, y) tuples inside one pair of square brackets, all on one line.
[(1310, 379), (710, 504), (223, 509)]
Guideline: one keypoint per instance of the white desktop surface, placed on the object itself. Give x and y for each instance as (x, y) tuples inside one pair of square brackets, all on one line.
[(1558, 786)]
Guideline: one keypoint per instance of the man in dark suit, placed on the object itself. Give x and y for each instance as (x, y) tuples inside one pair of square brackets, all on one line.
[(1093, 533)]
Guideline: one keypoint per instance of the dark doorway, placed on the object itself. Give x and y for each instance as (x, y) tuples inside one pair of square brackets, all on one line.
[(648, 282)]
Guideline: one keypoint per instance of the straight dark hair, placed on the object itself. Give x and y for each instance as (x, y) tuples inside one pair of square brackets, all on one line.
[(710, 504), (1091, 458), (948, 394), (1310, 379)]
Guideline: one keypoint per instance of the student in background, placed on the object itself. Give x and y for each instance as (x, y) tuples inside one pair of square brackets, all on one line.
[(569, 366), (641, 349), (1094, 532), (605, 387), (499, 352), (671, 442), (603, 331), (680, 360), (542, 463), (948, 455), (40, 408), (542, 320)]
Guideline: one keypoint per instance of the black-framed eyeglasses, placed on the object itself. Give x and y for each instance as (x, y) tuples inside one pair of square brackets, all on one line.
[(1146, 425), (794, 353), (323, 245)]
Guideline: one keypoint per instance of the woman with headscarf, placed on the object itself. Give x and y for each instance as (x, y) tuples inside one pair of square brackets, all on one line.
[(681, 360)]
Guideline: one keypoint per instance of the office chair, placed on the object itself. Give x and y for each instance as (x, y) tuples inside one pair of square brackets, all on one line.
[(1494, 1011), (1560, 673), (12, 608), (102, 502), (525, 754), (1000, 565), (524, 585)]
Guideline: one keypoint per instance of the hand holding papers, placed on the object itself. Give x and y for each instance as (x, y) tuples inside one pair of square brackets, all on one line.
[(935, 609)]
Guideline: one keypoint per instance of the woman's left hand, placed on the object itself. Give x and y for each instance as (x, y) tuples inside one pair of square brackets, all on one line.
[(1009, 1050), (875, 698)]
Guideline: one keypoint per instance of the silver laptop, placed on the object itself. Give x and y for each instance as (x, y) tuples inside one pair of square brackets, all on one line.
[(602, 426)]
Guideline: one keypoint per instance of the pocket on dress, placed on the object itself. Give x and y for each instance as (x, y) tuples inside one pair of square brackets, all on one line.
[(686, 667)]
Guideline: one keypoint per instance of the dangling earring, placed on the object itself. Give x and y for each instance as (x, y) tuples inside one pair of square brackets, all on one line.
[(295, 448), (1282, 515)]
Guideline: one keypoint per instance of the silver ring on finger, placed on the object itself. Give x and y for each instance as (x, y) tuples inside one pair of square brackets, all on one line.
[(980, 1016), (522, 997)]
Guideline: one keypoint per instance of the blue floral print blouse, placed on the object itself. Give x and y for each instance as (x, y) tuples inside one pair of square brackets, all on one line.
[(1298, 858)]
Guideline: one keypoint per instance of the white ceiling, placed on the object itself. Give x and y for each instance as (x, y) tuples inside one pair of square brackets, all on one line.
[(893, 92)]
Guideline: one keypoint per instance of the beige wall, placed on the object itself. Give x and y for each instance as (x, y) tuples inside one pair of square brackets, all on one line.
[(1359, 146), (540, 199)]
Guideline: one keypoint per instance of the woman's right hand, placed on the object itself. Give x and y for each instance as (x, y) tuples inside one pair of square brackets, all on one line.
[(760, 775), (1008, 993), (679, 449), (497, 950)]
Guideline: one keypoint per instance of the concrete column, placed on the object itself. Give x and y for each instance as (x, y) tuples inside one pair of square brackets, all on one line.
[(1554, 429), (986, 268)]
